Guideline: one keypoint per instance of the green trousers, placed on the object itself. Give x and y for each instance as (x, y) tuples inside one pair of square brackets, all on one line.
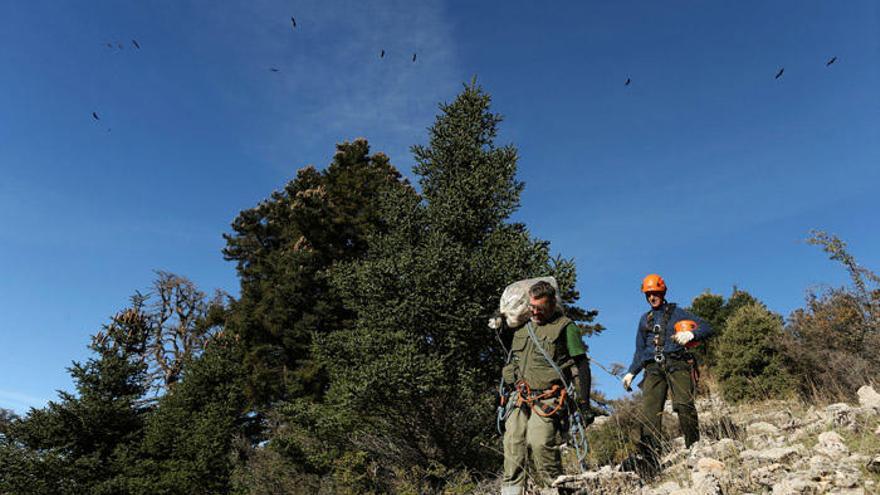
[(659, 380), (524, 430)]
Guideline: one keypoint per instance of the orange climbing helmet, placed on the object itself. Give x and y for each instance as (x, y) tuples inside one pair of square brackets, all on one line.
[(653, 283), (687, 326)]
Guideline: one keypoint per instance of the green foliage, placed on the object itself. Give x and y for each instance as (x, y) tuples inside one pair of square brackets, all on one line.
[(188, 441), (749, 364), (715, 310), (414, 373), (80, 443), (282, 248)]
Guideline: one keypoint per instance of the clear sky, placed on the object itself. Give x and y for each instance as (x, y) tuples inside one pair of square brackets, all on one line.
[(705, 168)]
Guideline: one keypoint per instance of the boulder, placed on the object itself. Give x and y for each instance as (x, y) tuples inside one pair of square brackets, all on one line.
[(604, 481), (707, 483), (666, 488), (869, 398), (796, 485), (780, 455), (831, 445), (846, 478), (767, 475), (709, 465), (761, 429), (820, 468)]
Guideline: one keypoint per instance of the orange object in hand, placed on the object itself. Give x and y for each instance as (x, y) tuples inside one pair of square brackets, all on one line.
[(687, 326)]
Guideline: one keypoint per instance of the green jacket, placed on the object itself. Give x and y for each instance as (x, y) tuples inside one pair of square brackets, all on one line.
[(559, 337)]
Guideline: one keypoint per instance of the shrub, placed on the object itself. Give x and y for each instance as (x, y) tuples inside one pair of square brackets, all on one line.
[(749, 362)]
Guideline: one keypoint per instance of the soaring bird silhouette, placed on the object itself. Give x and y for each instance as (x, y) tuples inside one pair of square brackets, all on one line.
[(779, 74), (109, 45), (382, 54), (136, 44), (119, 45), (292, 22), (833, 59), (95, 116), (628, 81), (414, 57), (273, 69)]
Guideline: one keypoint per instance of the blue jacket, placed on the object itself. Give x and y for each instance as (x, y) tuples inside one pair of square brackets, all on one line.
[(645, 336)]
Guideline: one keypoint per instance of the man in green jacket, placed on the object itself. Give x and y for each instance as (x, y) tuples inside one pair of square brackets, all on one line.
[(539, 389)]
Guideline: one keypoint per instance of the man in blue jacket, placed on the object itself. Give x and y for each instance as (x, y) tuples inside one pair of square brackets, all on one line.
[(662, 340)]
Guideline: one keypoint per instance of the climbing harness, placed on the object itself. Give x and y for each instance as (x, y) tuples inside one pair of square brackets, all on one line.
[(659, 331), (577, 427), (660, 357), (565, 406)]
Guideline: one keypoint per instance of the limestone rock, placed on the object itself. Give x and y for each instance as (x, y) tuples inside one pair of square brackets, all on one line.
[(761, 429), (709, 465), (796, 485), (831, 445), (846, 478), (605, 481), (781, 455), (666, 488), (767, 475), (820, 468), (707, 483), (869, 398), (873, 465)]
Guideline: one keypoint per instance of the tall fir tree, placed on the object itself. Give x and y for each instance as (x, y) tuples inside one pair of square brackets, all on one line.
[(83, 442), (415, 373)]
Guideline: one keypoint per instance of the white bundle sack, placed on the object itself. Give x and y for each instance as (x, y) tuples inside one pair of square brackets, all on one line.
[(514, 305)]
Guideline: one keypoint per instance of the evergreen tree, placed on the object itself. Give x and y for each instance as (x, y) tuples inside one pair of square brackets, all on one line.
[(715, 310), (413, 377), (283, 247), (750, 365), (82, 442), (188, 441)]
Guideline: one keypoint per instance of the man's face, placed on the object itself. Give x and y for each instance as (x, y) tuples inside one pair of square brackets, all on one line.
[(542, 308), (655, 299)]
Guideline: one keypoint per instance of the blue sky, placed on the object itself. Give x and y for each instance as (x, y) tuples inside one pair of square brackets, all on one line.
[(705, 169)]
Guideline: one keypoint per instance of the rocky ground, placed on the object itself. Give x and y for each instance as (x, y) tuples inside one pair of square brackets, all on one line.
[(769, 448)]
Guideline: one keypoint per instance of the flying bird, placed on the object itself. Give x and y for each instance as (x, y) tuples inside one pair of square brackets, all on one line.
[(779, 74), (109, 45), (273, 69), (628, 81), (833, 59), (119, 45), (136, 44), (382, 54), (95, 116), (414, 57), (293, 22)]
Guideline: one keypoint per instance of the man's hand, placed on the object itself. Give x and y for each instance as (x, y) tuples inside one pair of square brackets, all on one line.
[(683, 338), (627, 381)]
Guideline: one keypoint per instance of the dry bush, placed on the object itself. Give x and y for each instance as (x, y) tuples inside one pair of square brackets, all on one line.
[(831, 345)]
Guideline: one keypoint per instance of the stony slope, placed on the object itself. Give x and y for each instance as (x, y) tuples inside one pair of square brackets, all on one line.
[(774, 447)]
